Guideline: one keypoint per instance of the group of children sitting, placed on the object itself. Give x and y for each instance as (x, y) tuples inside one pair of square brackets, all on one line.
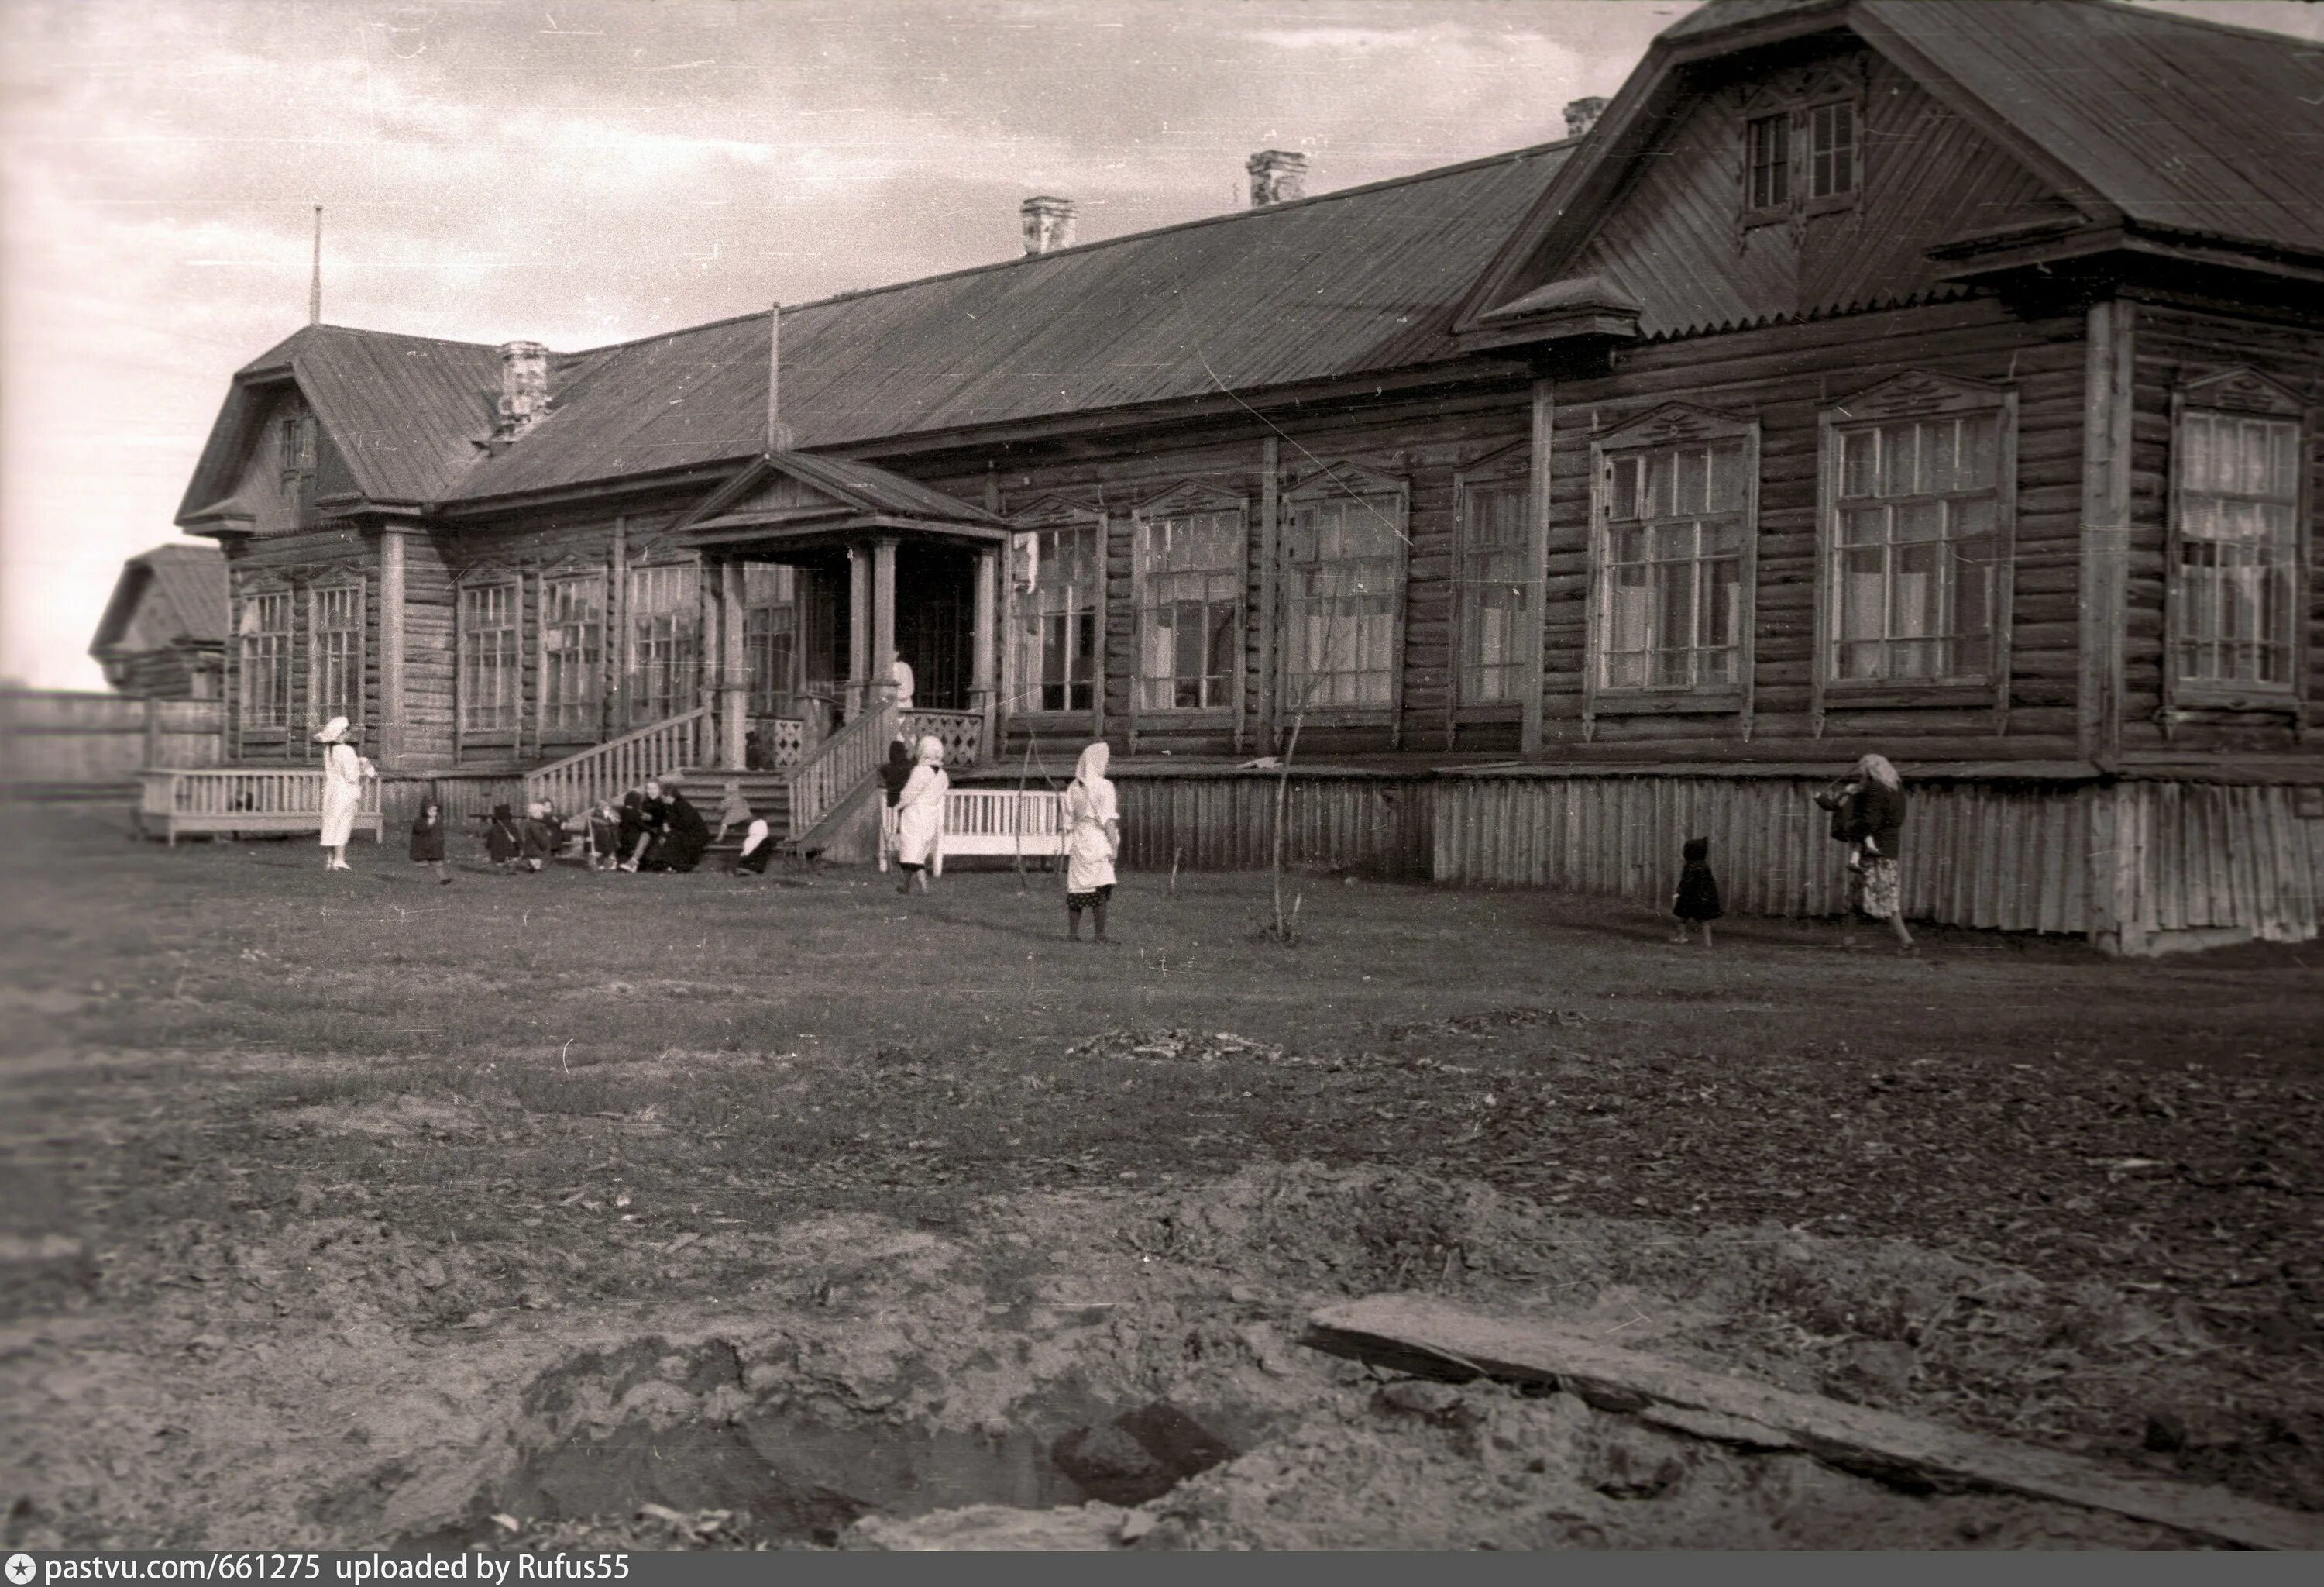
[(654, 827)]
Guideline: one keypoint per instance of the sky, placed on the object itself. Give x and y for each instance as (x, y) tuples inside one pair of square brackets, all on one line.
[(587, 171)]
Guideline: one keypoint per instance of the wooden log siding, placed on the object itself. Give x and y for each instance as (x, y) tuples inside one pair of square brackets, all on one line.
[(464, 798), (1784, 376), (2170, 346), (428, 668), (1370, 824)]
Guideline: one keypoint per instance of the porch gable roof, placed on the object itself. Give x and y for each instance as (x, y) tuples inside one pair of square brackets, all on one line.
[(790, 496)]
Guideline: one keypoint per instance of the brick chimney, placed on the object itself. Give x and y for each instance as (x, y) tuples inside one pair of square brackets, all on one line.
[(1048, 224), (1278, 176), (1582, 114), (524, 388)]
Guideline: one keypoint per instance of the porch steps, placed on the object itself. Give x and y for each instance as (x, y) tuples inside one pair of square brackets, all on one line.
[(768, 793)]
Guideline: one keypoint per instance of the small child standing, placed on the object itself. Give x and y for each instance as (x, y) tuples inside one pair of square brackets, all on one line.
[(1697, 898), (502, 841), (428, 841)]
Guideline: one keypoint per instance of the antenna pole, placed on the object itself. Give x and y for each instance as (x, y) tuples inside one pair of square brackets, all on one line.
[(778, 434), (315, 286)]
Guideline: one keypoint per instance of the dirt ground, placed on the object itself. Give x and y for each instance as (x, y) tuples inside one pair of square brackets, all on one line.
[(694, 1212)]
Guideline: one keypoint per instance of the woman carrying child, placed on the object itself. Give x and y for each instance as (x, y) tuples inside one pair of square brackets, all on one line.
[(1867, 811)]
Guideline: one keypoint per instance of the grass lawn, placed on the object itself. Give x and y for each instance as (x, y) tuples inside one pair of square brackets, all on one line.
[(566, 1092)]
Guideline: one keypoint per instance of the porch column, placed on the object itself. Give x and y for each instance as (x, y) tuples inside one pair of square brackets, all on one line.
[(881, 677), (391, 646), (859, 628), (733, 667), (983, 678)]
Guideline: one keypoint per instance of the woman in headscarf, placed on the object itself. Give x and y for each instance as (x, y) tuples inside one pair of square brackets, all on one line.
[(1093, 841), (344, 771), (897, 773), (919, 816), (1868, 814)]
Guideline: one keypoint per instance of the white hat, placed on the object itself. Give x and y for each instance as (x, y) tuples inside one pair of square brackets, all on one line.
[(333, 731)]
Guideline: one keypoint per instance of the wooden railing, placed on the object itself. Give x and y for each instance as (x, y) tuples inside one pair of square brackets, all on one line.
[(961, 734), (240, 800), (619, 765), (783, 739), (839, 766)]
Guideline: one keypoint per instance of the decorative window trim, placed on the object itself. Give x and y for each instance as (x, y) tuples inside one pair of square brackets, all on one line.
[(1188, 498), (633, 704), (1672, 424), (1796, 95), (570, 570), (1914, 393), (335, 583), (475, 581), (1335, 482), (1494, 470), (2242, 391), (252, 591), (1048, 515)]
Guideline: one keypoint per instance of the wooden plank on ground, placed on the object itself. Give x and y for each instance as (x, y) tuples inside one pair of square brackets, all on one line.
[(1423, 1335)]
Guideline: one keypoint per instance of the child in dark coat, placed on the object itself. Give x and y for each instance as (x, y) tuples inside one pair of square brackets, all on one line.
[(502, 842), (1697, 898), (428, 841)]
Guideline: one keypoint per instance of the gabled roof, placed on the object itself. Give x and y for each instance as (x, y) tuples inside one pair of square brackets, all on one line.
[(1346, 283), (192, 578), (405, 414), (815, 490), (2140, 119)]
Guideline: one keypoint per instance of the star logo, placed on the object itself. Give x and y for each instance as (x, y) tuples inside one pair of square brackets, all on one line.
[(20, 1568)]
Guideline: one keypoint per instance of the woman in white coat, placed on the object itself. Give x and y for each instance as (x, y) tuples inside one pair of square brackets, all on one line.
[(1093, 842), (919, 816), (344, 771)]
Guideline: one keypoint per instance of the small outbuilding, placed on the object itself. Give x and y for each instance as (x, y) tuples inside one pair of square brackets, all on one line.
[(162, 636)]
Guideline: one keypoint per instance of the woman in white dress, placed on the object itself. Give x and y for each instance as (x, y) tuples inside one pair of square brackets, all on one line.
[(919, 816), (1093, 842), (344, 771)]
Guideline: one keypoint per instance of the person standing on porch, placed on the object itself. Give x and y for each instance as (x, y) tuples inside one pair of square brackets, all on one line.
[(899, 673), (919, 816), (1868, 814), (1093, 842), (344, 771)]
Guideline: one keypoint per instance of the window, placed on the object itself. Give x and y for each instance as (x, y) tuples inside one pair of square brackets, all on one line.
[(572, 648), (1832, 150), (770, 635), (489, 683), (266, 661), (665, 621), (335, 652), (1190, 612), (1341, 606), (1494, 586), (1675, 520), (1916, 547), (2235, 585), (298, 449), (1768, 168), (1056, 575)]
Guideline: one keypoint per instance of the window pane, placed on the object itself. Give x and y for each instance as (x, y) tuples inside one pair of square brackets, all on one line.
[(1860, 452), (1727, 485)]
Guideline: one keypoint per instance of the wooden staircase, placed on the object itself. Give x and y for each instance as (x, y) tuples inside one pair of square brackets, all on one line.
[(768, 793)]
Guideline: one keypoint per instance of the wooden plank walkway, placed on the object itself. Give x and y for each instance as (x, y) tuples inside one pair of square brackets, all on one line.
[(1419, 1334)]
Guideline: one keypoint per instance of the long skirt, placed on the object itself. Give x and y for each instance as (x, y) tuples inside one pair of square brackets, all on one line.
[(758, 848), (1873, 889), (340, 802)]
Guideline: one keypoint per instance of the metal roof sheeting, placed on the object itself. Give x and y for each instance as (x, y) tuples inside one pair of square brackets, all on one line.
[(2176, 122), (192, 578), (1346, 283)]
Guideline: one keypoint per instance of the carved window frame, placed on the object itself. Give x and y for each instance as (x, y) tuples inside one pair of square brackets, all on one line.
[(555, 580), (1795, 95), (1052, 515), (482, 582), (1188, 498), (1504, 469), (256, 602), (2240, 392), (1915, 394), (338, 588), (1671, 428), (1334, 485)]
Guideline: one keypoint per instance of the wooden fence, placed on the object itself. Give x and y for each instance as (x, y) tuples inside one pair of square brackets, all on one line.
[(1369, 824), (62, 741)]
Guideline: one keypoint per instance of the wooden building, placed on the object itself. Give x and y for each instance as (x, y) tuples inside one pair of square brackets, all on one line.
[(1938, 377), (163, 633)]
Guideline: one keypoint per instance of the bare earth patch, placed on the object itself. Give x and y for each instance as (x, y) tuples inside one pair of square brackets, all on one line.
[(551, 1211)]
